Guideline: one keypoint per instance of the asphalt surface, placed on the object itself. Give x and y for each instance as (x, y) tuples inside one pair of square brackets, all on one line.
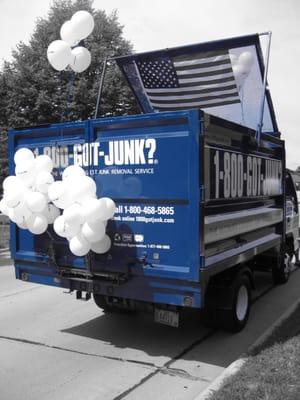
[(55, 347)]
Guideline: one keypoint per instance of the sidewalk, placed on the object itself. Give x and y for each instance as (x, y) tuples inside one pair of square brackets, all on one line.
[(270, 315)]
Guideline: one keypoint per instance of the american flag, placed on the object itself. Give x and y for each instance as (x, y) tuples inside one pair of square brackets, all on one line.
[(199, 80)]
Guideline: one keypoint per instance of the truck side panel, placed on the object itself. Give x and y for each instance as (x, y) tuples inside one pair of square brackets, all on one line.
[(244, 197)]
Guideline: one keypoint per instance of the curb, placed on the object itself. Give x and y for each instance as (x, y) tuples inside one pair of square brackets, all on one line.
[(262, 339), (233, 368), (218, 382)]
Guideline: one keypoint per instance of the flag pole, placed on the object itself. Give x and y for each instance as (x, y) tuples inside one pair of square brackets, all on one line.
[(100, 86), (264, 86)]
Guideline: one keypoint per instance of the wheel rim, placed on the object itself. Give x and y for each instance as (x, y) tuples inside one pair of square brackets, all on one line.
[(242, 303)]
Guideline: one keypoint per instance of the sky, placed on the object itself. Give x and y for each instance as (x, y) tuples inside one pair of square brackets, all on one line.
[(156, 24)]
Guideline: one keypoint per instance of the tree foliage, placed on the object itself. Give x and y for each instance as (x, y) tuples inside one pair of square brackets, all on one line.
[(32, 92)]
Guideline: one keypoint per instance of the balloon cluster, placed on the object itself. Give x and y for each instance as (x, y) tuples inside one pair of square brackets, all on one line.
[(241, 67), (62, 53), (25, 200), (32, 200), (84, 218)]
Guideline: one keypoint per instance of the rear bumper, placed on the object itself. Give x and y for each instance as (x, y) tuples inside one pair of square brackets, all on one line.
[(139, 288)]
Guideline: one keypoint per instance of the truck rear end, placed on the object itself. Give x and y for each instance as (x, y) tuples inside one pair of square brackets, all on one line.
[(150, 167)]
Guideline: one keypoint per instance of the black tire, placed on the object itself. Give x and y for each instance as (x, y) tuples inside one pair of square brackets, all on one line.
[(235, 316), (281, 272), (211, 305), (101, 303)]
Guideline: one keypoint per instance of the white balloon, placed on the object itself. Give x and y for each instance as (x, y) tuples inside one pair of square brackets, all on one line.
[(14, 196), (68, 33), (81, 188), (238, 76), (59, 194), (246, 60), (36, 201), (74, 214), (17, 217), (10, 181), (79, 246), (37, 224), (92, 232), (51, 213), (83, 24), (43, 163), (233, 59), (108, 208), (22, 155), (90, 185), (91, 210), (26, 172), (72, 171), (22, 212), (62, 228), (72, 229), (97, 226), (59, 54), (43, 181), (4, 209), (59, 226), (244, 70), (14, 218), (241, 67), (22, 225), (101, 247), (81, 59)]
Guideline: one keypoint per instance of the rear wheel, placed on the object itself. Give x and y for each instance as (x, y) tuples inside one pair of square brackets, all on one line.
[(107, 305), (101, 303), (235, 316), (227, 305)]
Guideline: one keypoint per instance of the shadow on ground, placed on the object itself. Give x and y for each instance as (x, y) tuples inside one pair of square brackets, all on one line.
[(193, 338), (137, 330)]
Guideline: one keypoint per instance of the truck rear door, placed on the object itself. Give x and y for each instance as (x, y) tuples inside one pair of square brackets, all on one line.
[(150, 166), (61, 142)]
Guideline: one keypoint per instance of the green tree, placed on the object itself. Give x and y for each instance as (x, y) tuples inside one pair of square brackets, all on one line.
[(32, 92), (4, 84)]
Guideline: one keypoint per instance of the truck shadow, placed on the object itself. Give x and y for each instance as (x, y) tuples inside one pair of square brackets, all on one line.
[(193, 340), (138, 331)]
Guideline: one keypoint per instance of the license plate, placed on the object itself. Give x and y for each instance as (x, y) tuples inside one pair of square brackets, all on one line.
[(166, 317)]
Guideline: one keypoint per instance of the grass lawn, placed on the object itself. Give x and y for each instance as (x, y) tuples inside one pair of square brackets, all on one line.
[(272, 371)]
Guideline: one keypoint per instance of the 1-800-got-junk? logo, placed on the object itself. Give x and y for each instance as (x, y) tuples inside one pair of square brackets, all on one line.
[(115, 152)]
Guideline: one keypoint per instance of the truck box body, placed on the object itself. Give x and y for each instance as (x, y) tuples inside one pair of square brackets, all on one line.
[(195, 195)]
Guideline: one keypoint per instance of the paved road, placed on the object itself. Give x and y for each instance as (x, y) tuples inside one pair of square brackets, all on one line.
[(54, 347)]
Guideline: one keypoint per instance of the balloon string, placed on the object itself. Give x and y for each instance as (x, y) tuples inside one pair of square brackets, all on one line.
[(69, 96)]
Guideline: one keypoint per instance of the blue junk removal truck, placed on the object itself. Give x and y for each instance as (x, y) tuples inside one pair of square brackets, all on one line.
[(202, 193)]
